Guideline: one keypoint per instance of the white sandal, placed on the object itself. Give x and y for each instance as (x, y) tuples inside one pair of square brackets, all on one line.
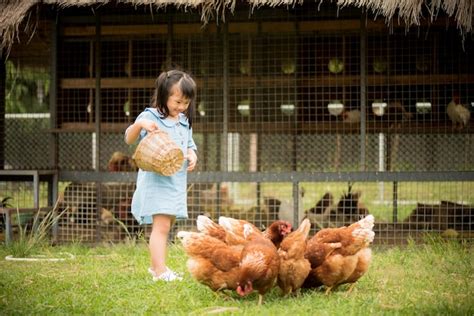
[(166, 276)]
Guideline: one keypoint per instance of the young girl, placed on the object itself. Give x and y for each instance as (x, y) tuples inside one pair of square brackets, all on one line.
[(159, 200)]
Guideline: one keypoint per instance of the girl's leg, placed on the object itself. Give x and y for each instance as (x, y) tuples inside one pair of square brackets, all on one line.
[(158, 242)]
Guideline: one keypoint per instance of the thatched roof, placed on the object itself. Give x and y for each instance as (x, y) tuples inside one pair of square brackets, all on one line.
[(13, 12)]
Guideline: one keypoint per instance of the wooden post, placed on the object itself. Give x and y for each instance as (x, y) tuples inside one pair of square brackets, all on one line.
[(98, 119), (3, 77), (363, 91)]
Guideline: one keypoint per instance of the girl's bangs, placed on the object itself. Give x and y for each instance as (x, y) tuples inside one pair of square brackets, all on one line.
[(187, 88)]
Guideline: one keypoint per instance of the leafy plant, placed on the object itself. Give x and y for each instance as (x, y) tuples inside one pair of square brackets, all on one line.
[(35, 238), (27, 89), (5, 203), (131, 239)]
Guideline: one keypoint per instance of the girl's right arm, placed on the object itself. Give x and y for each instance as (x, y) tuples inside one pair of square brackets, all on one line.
[(133, 131)]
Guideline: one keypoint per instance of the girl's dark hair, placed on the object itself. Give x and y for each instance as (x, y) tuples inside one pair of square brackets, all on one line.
[(164, 83)]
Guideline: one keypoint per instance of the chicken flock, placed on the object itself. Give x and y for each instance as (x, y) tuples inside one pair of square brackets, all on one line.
[(235, 255), (396, 113)]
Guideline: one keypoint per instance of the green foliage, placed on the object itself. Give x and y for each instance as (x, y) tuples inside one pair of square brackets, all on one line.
[(5, 202), (430, 279), (35, 238), (27, 89)]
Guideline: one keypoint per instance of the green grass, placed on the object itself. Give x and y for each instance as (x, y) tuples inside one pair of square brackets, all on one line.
[(431, 279)]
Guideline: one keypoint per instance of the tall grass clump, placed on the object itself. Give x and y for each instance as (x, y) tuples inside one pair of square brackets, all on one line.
[(34, 238), (131, 239)]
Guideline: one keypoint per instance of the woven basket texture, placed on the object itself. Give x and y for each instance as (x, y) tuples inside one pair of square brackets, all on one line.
[(157, 152)]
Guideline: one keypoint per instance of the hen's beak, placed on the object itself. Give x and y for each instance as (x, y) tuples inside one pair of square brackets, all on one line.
[(245, 290)]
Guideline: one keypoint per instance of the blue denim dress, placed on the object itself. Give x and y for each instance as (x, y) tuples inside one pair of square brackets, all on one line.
[(157, 194)]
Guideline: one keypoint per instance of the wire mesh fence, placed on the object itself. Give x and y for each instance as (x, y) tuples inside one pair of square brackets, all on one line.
[(293, 120)]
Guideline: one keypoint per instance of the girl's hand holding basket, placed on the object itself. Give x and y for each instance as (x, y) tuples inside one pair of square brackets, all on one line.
[(192, 159), (148, 125)]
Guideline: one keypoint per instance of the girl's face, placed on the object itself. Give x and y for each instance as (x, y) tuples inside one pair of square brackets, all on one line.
[(177, 103)]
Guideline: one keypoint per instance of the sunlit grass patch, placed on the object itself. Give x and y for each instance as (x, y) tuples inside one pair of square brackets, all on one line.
[(429, 279)]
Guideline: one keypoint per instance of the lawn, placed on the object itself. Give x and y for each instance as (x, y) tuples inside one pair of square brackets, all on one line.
[(435, 278)]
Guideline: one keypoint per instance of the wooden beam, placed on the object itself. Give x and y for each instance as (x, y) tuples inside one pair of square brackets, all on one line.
[(76, 127), (329, 25), (120, 30), (243, 27), (278, 27), (193, 28), (237, 82), (288, 127), (124, 30)]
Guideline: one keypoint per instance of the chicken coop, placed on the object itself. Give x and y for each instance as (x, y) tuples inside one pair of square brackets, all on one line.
[(307, 110)]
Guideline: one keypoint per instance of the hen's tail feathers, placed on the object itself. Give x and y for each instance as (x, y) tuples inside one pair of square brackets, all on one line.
[(183, 234), (364, 231), (305, 227), (367, 222), (185, 237), (228, 222), (204, 223), (248, 230), (364, 234)]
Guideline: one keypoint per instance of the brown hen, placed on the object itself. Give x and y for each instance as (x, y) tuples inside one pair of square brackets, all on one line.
[(294, 267), (211, 261), (259, 265), (340, 255)]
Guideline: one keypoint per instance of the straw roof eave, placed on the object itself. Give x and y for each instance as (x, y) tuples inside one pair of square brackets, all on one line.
[(14, 12)]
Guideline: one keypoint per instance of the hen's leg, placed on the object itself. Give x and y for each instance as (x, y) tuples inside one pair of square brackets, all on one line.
[(222, 294), (329, 288), (296, 293), (351, 288), (260, 299)]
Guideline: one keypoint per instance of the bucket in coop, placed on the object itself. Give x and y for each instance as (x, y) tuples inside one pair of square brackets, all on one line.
[(158, 153)]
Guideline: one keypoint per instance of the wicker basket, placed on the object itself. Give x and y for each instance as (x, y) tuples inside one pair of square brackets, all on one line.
[(158, 153)]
